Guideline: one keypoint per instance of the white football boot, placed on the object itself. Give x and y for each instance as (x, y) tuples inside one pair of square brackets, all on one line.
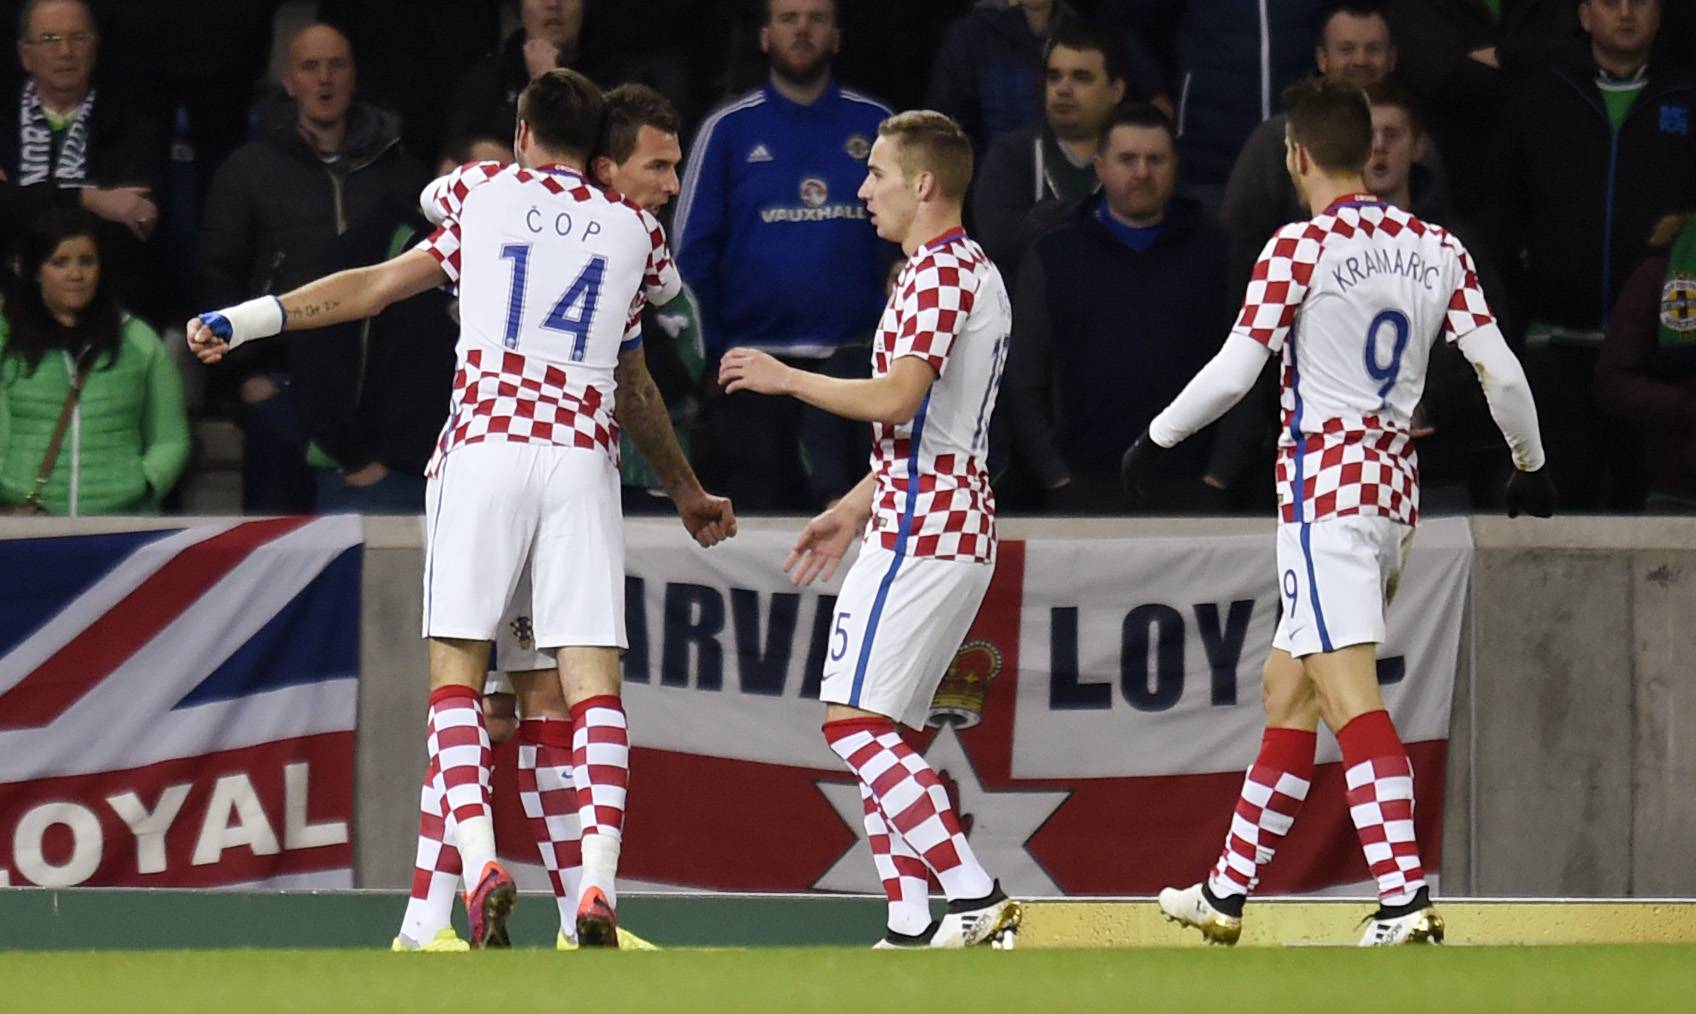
[(978, 921), (1423, 926), (1189, 906)]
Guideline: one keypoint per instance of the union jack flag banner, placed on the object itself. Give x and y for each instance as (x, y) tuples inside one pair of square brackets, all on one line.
[(177, 706)]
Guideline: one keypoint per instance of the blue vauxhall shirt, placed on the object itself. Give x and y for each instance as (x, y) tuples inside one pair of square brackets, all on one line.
[(769, 234)]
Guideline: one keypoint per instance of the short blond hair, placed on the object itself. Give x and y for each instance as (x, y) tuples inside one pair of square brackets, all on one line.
[(931, 142)]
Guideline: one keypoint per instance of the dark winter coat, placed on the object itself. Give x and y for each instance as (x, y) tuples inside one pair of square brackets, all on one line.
[(1235, 58), (1580, 201), (1104, 337), (1463, 98), (279, 216), (125, 148)]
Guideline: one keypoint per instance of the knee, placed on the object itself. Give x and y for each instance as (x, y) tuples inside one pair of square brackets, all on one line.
[(258, 388), (1287, 694)]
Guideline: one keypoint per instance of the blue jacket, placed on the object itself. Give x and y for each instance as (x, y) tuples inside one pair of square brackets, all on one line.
[(769, 234), (1234, 59)]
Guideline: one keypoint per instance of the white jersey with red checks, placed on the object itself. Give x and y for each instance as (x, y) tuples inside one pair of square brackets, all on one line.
[(552, 275), (1355, 300), (949, 308)]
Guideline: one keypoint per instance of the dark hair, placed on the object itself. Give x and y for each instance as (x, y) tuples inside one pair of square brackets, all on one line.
[(1354, 9), (1087, 36), (27, 11), (1139, 114), (458, 151), (32, 329), (1332, 121), (630, 107), (1388, 93), (564, 110)]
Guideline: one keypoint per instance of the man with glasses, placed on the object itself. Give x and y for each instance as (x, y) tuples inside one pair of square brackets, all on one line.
[(63, 141)]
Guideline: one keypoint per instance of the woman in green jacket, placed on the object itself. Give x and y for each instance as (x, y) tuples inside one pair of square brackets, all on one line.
[(127, 441)]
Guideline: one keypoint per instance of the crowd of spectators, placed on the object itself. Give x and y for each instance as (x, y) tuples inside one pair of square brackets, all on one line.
[(159, 157)]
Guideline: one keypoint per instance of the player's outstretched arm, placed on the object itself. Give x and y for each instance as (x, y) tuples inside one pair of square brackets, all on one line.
[(1530, 490), (335, 299), (1223, 382), (893, 398), (642, 413), (822, 544)]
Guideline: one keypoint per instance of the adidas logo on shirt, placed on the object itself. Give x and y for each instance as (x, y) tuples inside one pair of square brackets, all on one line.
[(759, 154)]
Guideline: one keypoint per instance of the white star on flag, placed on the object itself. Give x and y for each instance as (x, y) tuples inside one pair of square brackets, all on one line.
[(1001, 823)]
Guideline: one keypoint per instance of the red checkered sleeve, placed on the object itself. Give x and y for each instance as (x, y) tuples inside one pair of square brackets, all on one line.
[(444, 198), (1279, 284), (443, 244), (1468, 309), (660, 282), (633, 323), (933, 308)]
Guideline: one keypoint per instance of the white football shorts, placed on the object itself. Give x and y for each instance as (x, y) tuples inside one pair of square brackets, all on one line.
[(493, 507), (899, 622), (1337, 577)]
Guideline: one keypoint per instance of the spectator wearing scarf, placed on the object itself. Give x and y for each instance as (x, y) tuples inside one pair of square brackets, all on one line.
[(64, 142)]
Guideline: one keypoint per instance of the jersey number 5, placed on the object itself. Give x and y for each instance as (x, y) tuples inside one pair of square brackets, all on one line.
[(1386, 375), (572, 314)]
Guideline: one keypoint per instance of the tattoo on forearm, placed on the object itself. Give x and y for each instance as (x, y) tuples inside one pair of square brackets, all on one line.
[(642, 412), (309, 311)]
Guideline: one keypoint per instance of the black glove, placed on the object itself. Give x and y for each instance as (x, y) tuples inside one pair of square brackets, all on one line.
[(1137, 467), (1531, 493)]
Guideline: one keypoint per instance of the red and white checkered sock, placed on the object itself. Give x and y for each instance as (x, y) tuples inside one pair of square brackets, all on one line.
[(600, 768), (906, 882), (435, 873), (1272, 795), (458, 745), (1380, 784), (550, 807), (912, 800)]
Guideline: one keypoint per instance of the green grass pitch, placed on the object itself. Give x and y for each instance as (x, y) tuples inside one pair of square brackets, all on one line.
[(1428, 980)]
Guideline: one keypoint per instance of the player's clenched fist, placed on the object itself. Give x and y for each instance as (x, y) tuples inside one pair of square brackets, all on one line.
[(206, 345), (213, 334), (1531, 493), (710, 519), (749, 370)]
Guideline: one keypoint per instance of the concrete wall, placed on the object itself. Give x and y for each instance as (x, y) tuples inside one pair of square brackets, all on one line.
[(393, 695), (1585, 691), (1572, 767)]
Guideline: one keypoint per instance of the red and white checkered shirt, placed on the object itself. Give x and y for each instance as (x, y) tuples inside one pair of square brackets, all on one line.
[(552, 275), (949, 308), (1355, 300)]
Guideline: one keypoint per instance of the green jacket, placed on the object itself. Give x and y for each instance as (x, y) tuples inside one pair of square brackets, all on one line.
[(126, 444), (680, 319)]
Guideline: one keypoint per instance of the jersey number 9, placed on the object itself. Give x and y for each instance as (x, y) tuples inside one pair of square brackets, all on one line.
[(1386, 375)]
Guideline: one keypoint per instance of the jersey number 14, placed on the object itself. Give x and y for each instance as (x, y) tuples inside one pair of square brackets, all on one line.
[(572, 313)]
